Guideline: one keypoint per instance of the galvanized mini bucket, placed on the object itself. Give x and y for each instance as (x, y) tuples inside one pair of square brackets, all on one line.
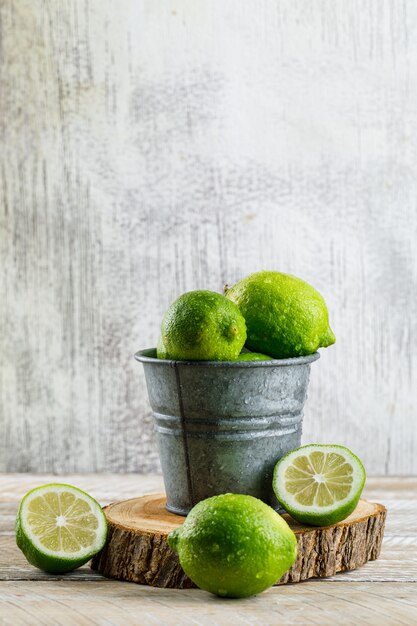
[(221, 425)]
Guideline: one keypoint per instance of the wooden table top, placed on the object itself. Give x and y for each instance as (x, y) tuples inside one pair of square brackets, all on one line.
[(382, 592)]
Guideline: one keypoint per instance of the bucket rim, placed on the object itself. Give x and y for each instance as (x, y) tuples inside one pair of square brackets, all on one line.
[(148, 355)]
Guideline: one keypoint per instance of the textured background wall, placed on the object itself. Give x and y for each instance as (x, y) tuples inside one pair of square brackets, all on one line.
[(148, 148)]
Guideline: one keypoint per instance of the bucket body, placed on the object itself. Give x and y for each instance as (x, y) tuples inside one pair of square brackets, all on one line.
[(221, 426)]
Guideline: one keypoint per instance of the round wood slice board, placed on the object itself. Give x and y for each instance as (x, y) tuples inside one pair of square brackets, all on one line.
[(137, 549)]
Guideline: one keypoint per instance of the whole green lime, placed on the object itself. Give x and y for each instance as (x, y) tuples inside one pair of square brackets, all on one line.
[(253, 356), (234, 545), (285, 316), (202, 326)]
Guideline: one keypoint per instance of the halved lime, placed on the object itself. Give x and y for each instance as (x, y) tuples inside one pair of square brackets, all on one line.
[(60, 527), (318, 484)]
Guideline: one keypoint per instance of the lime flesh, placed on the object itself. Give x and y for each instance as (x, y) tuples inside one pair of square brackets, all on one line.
[(319, 485), (59, 527)]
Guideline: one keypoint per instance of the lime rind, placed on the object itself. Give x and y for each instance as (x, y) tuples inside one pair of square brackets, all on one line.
[(53, 549), (285, 316), (253, 356), (234, 545), (319, 484), (202, 325)]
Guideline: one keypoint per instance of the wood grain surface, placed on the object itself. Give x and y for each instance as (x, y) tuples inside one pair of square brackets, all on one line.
[(381, 593), (316, 603), (148, 148)]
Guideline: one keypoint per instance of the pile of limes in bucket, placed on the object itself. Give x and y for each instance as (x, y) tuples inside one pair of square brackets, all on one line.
[(235, 545), (269, 314)]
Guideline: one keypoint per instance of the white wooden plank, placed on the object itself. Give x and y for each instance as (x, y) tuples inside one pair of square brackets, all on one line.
[(113, 603), (148, 148)]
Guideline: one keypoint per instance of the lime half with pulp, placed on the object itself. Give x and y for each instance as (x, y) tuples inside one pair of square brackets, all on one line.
[(60, 527), (319, 485)]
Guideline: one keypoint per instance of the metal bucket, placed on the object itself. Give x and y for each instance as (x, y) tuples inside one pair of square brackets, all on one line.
[(221, 425)]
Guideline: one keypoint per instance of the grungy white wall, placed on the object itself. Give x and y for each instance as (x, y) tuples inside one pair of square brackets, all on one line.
[(149, 148)]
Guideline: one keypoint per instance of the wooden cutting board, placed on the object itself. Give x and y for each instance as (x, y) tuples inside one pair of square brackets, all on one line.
[(137, 549)]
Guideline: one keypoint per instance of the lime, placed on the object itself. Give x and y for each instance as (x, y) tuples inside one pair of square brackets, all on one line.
[(59, 527), (202, 326), (234, 545), (319, 485), (253, 356), (161, 353), (285, 316)]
